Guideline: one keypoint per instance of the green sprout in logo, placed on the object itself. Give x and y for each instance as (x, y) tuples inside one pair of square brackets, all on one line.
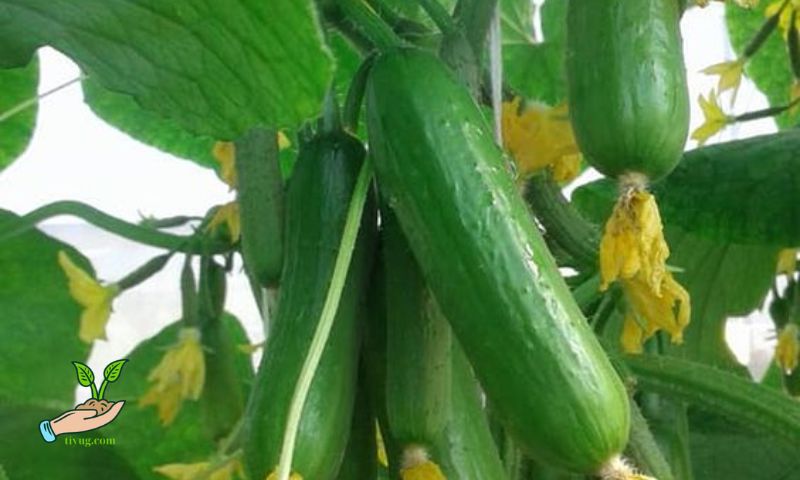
[(110, 374)]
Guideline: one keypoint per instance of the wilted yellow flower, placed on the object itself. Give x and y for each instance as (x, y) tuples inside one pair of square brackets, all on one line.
[(179, 376), (293, 476), (788, 348), (417, 466), (648, 313), (715, 118), (730, 74), (229, 215), (539, 137), (227, 470), (633, 242), (633, 250), (94, 298), (785, 18), (225, 154), (787, 261)]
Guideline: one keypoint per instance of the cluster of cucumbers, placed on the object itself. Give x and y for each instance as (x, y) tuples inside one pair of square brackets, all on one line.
[(454, 315)]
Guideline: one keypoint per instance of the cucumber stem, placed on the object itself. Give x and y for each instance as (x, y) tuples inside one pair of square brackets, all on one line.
[(355, 96), (730, 395), (329, 308), (130, 231), (643, 447), (373, 26)]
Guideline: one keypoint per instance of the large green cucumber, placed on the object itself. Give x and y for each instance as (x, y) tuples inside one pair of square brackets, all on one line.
[(418, 346), (488, 267), (318, 196), (627, 91)]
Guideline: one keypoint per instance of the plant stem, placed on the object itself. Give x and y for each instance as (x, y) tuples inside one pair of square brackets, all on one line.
[(25, 104), (643, 448), (329, 308), (150, 268), (136, 233), (365, 18), (101, 395), (94, 391), (735, 397), (475, 17), (355, 96)]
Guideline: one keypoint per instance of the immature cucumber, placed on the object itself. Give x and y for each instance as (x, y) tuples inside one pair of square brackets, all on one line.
[(317, 201), (488, 267), (418, 352), (260, 196), (466, 447), (627, 85)]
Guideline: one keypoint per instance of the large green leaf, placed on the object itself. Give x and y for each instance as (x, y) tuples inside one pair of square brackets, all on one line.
[(769, 68), (516, 17), (745, 191), (722, 450), (26, 456), (723, 278), (147, 126), (38, 321), (215, 68), (141, 438), (535, 70), (17, 85)]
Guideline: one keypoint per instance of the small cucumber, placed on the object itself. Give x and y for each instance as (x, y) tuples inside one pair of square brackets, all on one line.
[(418, 344), (466, 447), (318, 197), (626, 78), (486, 263), (261, 203)]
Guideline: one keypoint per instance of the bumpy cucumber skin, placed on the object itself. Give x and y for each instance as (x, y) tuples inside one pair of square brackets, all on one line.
[(488, 266), (466, 448), (261, 204), (317, 200), (418, 343), (627, 92)]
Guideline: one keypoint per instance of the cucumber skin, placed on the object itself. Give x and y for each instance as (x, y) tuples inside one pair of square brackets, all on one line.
[(466, 447), (487, 264), (418, 343), (318, 196), (626, 79)]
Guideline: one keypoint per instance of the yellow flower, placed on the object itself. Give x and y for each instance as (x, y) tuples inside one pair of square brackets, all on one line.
[(730, 74), (715, 118), (417, 466), (293, 476), (179, 376), (539, 137), (229, 215), (225, 154), (226, 470), (787, 261), (648, 313), (634, 251), (788, 348), (785, 15), (94, 298)]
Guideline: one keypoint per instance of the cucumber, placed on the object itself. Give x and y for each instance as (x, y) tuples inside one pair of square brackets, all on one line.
[(361, 457), (488, 267), (626, 81), (261, 204), (418, 346), (466, 447), (318, 196)]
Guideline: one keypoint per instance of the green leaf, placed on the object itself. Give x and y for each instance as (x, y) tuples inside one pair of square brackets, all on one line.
[(85, 374), (147, 126), (187, 439), (113, 369), (26, 456), (38, 317), (745, 191), (516, 17), (215, 69), (17, 85), (769, 68), (536, 70)]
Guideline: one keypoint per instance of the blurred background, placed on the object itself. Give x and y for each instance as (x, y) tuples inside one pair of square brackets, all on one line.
[(76, 156)]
